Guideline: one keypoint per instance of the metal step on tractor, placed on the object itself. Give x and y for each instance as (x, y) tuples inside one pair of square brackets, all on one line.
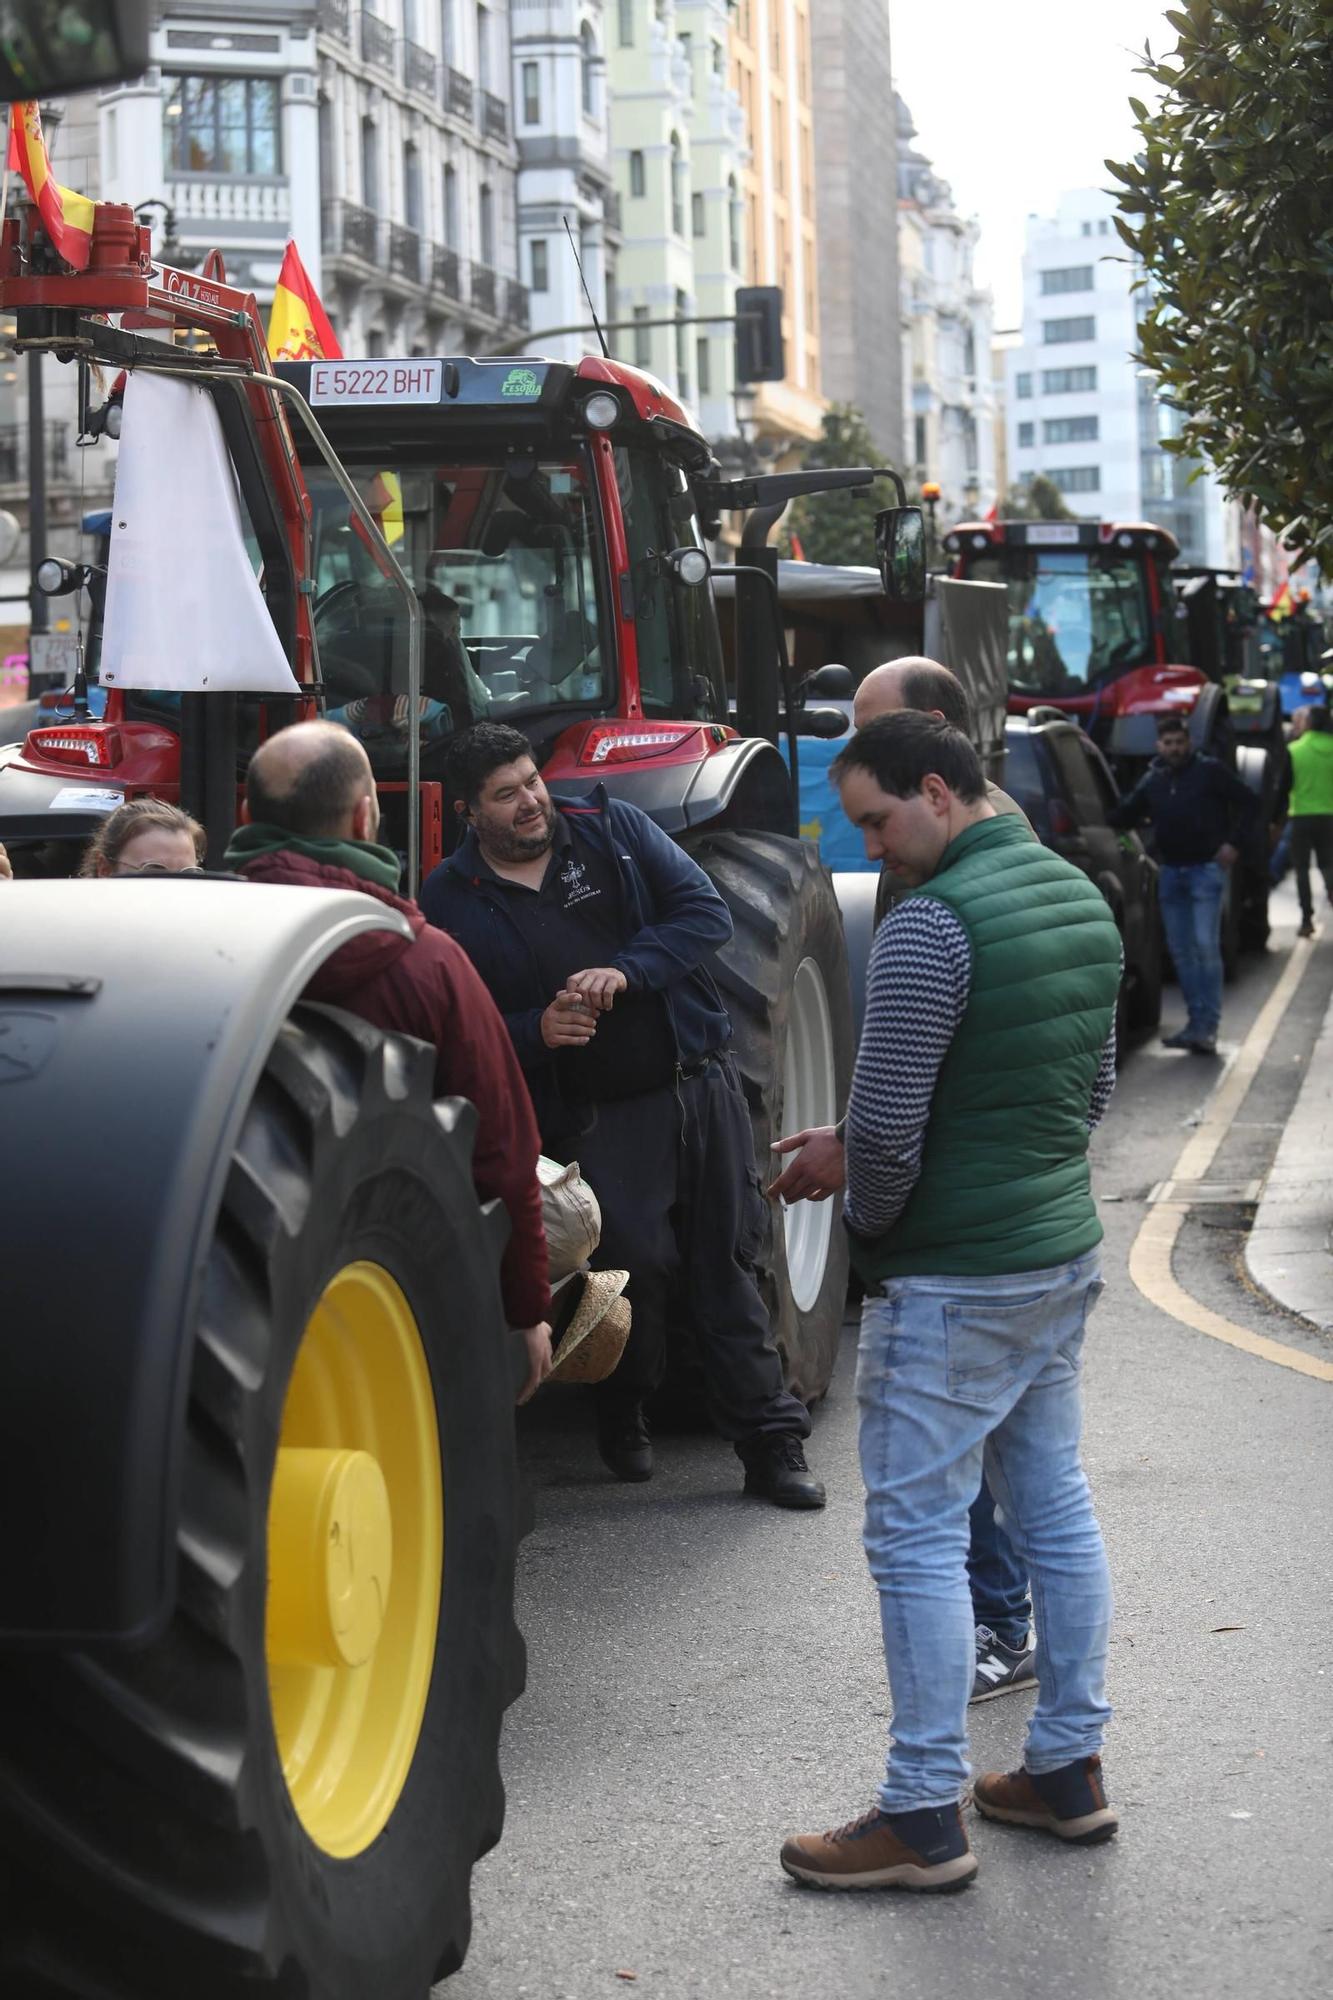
[(256, 1408), (1099, 629)]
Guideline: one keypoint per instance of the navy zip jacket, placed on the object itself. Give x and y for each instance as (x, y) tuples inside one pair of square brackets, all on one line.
[(1195, 808), (672, 921)]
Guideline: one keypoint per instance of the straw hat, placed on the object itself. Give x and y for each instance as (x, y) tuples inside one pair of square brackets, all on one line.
[(595, 1322)]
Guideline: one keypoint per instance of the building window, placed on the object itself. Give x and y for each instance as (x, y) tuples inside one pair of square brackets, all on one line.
[(682, 348), (677, 185), (703, 367), (370, 164), (1087, 229), (1027, 436), (450, 208), (1069, 430), (1056, 331), (222, 125), (1068, 381), (412, 187), (698, 219), (1022, 385), (588, 69), (532, 94), (626, 19), (733, 224), (486, 218), (484, 47), (919, 442), (636, 175), (449, 33), (1103, 227), (1071, 278), (541, 279), (643, 339), (1076, 478)]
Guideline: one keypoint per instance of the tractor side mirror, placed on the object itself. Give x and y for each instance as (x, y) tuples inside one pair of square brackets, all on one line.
[(832, 683), (900, 544)]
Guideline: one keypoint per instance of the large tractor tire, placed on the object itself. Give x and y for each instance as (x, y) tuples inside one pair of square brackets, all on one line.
[(284, 1793), (784, 979)]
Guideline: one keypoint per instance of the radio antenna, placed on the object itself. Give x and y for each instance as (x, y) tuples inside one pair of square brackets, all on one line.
[(578, 263)]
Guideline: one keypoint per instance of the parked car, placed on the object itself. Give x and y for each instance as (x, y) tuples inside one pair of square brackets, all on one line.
[(1065, 786)]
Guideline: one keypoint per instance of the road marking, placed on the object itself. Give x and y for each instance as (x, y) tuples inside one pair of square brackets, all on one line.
[(1150, 1257)]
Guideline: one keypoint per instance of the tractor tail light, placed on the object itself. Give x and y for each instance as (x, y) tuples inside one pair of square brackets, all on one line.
[(630, 746), (91, 746)]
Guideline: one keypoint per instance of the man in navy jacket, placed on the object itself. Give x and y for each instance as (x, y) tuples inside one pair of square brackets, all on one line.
[(592, 931)]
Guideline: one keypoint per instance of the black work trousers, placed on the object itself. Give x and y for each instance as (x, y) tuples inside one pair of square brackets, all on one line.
[(682, 1212), (1312, 840)]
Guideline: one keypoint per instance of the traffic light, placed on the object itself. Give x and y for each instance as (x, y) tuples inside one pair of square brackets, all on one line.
[(759, 349)]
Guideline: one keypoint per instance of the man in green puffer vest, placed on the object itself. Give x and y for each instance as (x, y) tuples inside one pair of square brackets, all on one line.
[(987, 1056), (1310, 809)]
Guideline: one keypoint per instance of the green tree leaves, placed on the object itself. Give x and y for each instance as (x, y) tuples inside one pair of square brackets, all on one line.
[(1230, 207), (840, 527)]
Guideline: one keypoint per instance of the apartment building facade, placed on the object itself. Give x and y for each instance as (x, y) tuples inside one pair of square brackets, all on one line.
[(1079, 408)]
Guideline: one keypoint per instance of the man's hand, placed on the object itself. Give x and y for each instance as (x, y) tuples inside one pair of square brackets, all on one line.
[(819, 1169), (599, 986), (569, 1021), (1226, 854), (537, 1340), (6, 872)]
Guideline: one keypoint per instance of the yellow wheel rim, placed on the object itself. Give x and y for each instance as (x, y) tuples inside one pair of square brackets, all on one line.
[(355, 1560)]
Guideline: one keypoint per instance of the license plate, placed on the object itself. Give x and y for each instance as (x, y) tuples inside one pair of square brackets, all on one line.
[(1053, 534), (376, 381)]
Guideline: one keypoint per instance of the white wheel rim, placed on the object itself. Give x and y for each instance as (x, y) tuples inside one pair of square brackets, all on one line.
[(809, 1088)]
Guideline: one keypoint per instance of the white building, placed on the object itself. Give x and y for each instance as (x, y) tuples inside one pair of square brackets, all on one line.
[(948, 391), (562, 119), (1079, 408)]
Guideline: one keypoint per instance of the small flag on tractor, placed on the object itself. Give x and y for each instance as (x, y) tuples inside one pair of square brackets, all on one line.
[(1281, 607), (66, 216), (298, 327)]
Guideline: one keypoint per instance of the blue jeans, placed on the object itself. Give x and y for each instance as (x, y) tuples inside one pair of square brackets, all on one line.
[(998, 1580), (954, 1374), (1191, 900)]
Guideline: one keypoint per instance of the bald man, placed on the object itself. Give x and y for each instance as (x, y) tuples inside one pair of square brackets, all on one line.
[(923, 684), (313, 820)]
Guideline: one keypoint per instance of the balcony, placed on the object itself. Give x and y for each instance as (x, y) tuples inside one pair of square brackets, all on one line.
[(518, 306), (404, 253), (206, 201), (494, 116), (484, 290), (350, 231), (376, 42), (418, 69), (334, 18), (14, 454), (458, 93), (446, 273)]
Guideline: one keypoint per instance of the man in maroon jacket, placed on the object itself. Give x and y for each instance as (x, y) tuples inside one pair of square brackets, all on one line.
[(314, 816)]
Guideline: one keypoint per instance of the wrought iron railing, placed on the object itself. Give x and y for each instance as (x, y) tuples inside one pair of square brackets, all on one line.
[(446, 273), (376, 41), (350, 230), (418, 69), (404, 252), (458, 93), (484, 289), (494, 116)]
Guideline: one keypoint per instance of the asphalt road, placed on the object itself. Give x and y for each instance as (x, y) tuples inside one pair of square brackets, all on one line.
[(705, 1673)]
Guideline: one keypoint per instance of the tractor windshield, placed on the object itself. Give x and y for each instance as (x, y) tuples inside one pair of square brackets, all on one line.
[(501, 557), (1076, 616)]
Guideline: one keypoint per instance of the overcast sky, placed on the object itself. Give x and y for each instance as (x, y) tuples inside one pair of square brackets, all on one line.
[(1016, 100)]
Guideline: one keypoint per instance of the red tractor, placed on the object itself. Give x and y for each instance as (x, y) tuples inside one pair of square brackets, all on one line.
[(200, 1787), (1099, 630)]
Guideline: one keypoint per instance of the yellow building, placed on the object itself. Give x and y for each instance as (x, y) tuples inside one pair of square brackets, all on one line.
[(771, 75)]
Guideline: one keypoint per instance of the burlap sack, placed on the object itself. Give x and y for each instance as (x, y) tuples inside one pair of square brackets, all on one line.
[(570, 1212)]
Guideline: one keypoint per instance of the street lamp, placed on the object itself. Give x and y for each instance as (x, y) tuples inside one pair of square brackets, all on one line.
[(930, 494), (171, 250)]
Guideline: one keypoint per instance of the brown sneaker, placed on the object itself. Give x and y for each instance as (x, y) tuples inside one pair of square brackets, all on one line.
[(1070, 1802), (927, 1849)]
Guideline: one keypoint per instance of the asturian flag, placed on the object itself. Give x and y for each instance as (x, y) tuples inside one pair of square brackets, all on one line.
[(298, 327), (67, 217)]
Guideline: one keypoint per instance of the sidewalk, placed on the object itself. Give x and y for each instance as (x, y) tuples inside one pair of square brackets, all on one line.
[(1290, 1247)]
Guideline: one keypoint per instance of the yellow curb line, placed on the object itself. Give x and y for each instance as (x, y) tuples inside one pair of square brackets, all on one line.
[(1150, 1257)]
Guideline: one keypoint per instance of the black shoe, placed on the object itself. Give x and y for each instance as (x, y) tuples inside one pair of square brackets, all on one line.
[(1000, 1669), (622, 1439), (1307, 928), (1204, 1045), (775, 1469), (1183, 1038)]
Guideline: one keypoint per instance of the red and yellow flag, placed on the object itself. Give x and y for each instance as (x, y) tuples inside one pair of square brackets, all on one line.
[(298, 327), (67, 217), (1282, 607)]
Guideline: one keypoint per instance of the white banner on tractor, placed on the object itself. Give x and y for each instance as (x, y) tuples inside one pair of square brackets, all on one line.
[(184, 612)]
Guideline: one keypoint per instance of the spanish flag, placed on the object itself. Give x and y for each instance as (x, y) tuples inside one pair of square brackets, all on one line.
[(68, 217), (298, 327), (1282, 606)]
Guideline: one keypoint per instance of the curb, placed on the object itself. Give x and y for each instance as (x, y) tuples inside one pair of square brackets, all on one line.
[(1289, 1252)]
